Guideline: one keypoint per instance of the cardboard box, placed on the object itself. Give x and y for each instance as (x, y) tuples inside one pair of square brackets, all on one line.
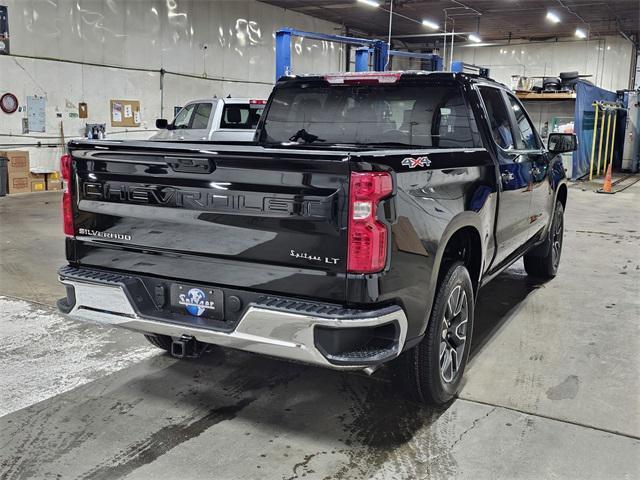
[(17, 170), (19, 185), (37, 182), (38, 186), (54, 184), (18, 160)]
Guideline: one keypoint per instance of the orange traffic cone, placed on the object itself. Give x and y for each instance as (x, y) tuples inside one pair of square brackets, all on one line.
[(607, 181)]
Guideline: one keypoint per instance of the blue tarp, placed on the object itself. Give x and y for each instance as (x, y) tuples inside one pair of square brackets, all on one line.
[(586, 94)]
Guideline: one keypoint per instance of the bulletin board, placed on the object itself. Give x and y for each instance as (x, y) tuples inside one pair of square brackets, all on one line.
[(125, 113)]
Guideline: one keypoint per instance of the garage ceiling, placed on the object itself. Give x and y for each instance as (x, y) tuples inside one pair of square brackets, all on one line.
[(495, 19)]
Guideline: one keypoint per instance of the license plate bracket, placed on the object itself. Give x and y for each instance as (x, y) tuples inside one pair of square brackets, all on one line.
[(197, 301)]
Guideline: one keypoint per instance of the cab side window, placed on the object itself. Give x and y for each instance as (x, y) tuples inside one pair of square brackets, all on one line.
[(193, 116), (239, 116), (183, 119), (526, 138), (498, 117), (201, 116)]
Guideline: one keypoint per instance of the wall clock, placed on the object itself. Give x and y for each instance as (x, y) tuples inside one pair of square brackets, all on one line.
[(8, 103)]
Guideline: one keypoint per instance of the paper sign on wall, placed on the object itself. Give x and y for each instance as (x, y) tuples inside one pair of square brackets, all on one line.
[(36, 107), (116, 113), (125, 113)]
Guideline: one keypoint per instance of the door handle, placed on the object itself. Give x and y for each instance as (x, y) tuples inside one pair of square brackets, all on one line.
[(507, 177)]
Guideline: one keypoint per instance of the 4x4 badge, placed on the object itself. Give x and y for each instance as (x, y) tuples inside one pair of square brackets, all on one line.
[(416, 162)]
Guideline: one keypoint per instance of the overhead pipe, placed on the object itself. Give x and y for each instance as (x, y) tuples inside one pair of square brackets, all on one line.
[(444, 50), (453, 29), (137, 69), (466, 7), (443, 34)]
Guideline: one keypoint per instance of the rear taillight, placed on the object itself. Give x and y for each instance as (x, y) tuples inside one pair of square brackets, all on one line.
[(367, 250), (67, 207)]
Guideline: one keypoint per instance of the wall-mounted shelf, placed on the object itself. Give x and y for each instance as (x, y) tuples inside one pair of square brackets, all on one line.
[(546, 96)]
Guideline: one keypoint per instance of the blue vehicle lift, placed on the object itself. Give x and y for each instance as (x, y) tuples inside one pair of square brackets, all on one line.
[(367, 50)]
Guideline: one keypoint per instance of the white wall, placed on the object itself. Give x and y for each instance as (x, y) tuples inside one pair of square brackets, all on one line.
[(144, 34), (607, 59)]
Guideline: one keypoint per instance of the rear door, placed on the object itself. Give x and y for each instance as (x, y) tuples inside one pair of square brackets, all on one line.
[(269, 220), (512, 225), (529, 142)]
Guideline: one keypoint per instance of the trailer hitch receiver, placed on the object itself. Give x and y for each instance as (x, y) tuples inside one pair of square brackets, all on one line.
[(187, 347)]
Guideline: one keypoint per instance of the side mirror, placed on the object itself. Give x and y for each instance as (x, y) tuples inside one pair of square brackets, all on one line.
[(562, 142), (162, 123)]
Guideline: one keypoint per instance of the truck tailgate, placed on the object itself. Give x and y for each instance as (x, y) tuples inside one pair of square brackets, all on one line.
[(273, 221)]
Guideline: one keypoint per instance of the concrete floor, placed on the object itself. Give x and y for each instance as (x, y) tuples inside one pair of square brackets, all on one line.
[(552, 390)]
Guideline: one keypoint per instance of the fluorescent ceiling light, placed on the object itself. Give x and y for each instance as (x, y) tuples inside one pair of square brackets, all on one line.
[(580, 33), (553, 18), (371, 3), (474, 38), (481, 44), (430, 24)]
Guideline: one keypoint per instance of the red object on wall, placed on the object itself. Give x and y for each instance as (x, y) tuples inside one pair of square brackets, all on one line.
[(9, 103)]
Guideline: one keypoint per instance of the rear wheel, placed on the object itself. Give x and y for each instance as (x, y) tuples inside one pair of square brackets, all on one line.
[(434, 368), (160, 341), (543, 261)]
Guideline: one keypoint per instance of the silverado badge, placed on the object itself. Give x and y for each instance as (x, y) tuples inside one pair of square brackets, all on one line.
[(416, 162)]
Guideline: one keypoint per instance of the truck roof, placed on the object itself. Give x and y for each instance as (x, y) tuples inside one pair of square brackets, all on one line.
[(392, 77), (232, 100)]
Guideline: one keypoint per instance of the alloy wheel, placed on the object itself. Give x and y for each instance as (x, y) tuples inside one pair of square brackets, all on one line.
[(556, 241), (454, 334)]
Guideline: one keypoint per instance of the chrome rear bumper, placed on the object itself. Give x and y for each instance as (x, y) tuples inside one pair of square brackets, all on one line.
[(267, 331)]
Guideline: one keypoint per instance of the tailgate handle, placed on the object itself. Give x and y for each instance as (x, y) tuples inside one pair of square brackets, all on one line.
[(191, 165)]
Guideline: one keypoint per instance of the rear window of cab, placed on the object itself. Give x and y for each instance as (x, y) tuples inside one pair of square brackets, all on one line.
[(433, 116)]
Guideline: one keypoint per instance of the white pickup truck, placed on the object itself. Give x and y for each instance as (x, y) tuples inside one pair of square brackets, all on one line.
[(213, 119)]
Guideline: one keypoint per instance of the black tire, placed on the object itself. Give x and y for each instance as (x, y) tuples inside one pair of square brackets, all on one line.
[(543, 261), (427, 378), (160, 341)]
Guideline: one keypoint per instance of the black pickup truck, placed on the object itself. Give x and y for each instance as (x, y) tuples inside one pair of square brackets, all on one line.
[(357, 228)]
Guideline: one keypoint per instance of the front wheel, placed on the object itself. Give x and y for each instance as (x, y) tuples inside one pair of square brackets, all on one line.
[(434, 368), (544, 260)]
